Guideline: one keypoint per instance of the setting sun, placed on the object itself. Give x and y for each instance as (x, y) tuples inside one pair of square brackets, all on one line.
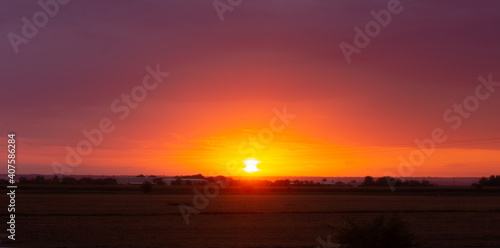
[(251, 164)]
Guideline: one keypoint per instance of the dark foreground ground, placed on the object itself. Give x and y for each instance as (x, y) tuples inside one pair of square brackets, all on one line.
[(135, 219)]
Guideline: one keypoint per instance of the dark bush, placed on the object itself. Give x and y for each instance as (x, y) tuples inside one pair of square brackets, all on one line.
[(381, 232), (492, 181)]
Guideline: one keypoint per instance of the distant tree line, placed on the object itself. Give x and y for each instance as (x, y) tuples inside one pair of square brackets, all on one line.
[(65, 180), (492, 181), (197, 176), (368, 181), (385, 181)]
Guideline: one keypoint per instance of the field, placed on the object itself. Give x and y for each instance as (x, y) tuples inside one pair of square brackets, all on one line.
[(129, 218)]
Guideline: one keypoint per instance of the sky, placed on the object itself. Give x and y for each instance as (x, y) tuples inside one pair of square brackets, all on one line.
[(211, 86)]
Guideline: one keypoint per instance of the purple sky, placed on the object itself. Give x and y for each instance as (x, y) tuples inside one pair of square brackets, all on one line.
[(228, 75)]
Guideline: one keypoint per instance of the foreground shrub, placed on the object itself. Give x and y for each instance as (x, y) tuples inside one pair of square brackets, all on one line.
[(381, 232)]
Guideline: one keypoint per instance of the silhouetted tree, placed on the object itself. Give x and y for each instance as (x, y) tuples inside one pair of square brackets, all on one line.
[(381, 181), (285, 182), (483, 181), (491, 181), (55, 180), (197, 176), (368, 181)]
